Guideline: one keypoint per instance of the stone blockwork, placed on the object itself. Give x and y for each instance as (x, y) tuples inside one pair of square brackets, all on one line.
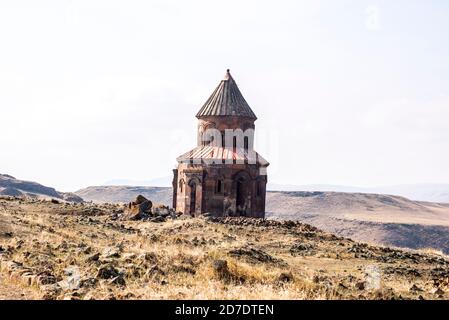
[(223, 175)]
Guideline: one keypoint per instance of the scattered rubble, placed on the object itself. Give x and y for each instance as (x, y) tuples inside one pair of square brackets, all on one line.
[(255, 256), (286, 277), (361, 285), (111, 252), (107, 272), (415, 288), (142, 209), (138, 209), (302, 249)]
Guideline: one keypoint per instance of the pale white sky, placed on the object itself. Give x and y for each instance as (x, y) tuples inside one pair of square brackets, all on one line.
[(348, 92)]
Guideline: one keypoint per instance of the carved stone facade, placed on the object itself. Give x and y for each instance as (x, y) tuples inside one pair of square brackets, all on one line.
[(223, 175)]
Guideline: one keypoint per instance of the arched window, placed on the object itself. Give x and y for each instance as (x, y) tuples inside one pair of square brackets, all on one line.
[(259, 188), (246, 143), (181, 185), (219, 186), (223, 139), (193, 187)]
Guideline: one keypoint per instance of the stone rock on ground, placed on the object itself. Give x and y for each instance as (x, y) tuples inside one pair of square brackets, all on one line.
[(301, 249), (361, 285), (415, 288), (285, 277), (107, 272), (138, 209), (119, 280), (111, 252), (221, 269), (254, 255), (142, 209)]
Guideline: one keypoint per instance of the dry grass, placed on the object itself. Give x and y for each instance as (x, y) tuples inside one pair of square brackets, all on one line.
[(178, 259)]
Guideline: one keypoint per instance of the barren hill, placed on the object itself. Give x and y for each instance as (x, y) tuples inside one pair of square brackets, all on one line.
[(418, 192), (358, 206), (81, 251), (123, 194), (10, 186), (382, 219)]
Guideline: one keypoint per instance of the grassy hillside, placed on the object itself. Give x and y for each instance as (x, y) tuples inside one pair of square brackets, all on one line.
[(80, 251)]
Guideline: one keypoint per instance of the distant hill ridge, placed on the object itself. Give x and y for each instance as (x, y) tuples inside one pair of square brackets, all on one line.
[(433, 192), (419, 192), (124, 194), (10, 186)]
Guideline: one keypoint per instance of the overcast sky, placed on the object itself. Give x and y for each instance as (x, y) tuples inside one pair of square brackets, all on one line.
[(346, 92)]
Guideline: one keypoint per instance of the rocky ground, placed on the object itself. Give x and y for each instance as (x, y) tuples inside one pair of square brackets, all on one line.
[(375, 218), (56, 250)]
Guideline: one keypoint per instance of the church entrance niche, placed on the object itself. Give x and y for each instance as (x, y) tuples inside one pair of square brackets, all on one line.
[(241, 195), (192, 186)]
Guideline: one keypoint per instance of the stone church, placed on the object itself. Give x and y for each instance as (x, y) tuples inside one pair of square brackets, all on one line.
[(223, 175)]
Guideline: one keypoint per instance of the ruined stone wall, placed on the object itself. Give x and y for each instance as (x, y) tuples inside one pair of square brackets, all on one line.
[(221, 201), (189, 177)]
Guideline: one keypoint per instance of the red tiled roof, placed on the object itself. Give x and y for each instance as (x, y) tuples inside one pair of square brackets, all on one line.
[(222, 155)]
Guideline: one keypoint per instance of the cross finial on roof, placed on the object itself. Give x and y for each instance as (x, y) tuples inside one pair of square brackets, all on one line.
[(227, 75)]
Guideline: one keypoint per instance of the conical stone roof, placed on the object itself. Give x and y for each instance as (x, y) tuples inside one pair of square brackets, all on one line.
[(226, 100)]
